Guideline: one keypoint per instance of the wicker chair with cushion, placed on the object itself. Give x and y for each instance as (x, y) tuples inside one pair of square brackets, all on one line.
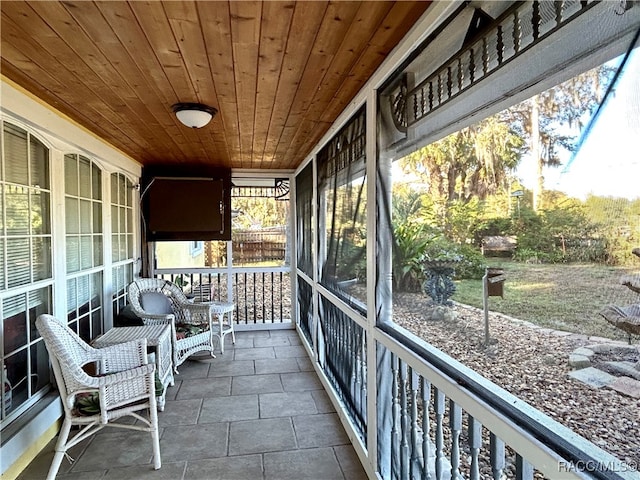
[(158, 301), (123, 386)]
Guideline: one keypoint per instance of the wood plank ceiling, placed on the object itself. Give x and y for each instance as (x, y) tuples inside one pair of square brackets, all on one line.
[(279, 72)]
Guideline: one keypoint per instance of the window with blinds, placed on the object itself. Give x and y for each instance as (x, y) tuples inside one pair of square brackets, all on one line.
[(83, 234), (26, 273), (122, 238)]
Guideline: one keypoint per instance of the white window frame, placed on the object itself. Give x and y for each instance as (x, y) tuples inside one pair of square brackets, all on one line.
[(31, 296)]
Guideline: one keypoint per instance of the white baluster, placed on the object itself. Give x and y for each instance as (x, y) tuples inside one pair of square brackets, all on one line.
[(524, 470), (416, 460), (475, 443), (426, 427), (404, 446), (496, 455), (455, 423), (395, 429), (438, 405)]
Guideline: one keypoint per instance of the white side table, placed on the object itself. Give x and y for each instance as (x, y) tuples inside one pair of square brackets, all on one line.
[(158, 337), (218, 325)]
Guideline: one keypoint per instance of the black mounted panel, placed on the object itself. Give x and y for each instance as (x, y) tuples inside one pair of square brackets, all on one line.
[(186, 208)]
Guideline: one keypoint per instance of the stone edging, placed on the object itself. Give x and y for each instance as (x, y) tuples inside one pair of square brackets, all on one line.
[(628, 383)]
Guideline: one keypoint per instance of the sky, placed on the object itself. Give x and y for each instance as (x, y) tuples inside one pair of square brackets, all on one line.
[(608, 164)]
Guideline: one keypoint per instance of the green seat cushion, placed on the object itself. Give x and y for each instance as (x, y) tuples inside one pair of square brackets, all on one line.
[(184, 330), (88, 403)]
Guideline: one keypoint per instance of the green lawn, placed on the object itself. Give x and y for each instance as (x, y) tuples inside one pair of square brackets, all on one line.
[(565, 297)]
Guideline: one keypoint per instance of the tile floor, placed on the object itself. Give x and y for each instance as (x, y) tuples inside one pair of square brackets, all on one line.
[(256, 412)]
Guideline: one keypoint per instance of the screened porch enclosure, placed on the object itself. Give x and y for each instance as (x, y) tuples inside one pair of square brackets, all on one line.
[(323, 266), (414, 411)]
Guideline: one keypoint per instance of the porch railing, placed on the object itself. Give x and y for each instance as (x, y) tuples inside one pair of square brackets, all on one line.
[(437, 419), (342, 352), (446, 421), (262, 295), (305, 309), (518, 29)]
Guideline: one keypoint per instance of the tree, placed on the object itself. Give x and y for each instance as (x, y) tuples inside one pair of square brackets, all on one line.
[(259, 212), (473, 163), (550, 121), (618, 223)]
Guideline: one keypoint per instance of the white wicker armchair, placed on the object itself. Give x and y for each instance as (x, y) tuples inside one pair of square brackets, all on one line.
[(125, 387), (148, 299)]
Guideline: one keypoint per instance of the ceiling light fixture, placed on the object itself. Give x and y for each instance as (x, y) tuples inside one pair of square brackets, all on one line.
[(194, 115)]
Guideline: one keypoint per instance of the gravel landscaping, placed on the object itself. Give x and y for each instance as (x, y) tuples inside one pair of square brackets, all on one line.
[(532, 363)]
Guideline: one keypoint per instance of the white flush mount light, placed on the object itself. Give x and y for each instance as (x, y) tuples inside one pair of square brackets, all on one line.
[(194, 115)]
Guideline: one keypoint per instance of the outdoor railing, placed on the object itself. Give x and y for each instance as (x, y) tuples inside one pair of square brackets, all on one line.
[(305, 310), (521, 27), (262, 295), (343, 351), (446, 421), (435, 418)]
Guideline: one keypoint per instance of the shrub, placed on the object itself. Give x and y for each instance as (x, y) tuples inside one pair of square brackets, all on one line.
[(471, 263), (558, 235), (492, 227), (410, 242)]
